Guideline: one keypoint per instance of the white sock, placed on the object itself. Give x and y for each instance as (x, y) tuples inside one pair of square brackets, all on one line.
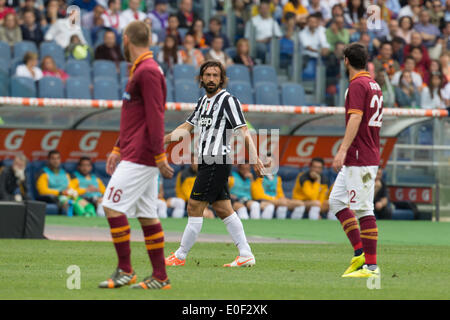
[(178, 206), (242, 213), (314, 213), (255, 210), (281, 212), (161, 208), (100, 211), (236, 230), (298, 212), (268, 212), (190, 234)]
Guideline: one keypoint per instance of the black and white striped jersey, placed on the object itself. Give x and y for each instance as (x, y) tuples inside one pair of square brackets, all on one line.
[(216, 118)]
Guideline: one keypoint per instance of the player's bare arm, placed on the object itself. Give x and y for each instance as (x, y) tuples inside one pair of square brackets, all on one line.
[(181, 132), (253, 153), (350, 134), (112, 161)]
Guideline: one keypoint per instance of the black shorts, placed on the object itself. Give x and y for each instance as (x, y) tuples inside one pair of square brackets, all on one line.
[(211, 184)]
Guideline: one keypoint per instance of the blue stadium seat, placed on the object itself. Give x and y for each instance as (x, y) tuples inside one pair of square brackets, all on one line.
[(288, 176), (169, 88), (182, 32), (100, 171), (123, 85), (14, 64), (5, 65), (309, 72), (70, 166), (238, 72), (51, 87), (264, 73), (104, 68), (52, 49), (22, 47), (87, 36), (186, 91), (78, 88), (242, 90), (155, 49), (124, 69), (5, 51), (267, 93), (23, 87), (402, 214), (78, 68), (106, 88), (231, 52), (184, 71), (4, 83), (292, 94), (99, 36)]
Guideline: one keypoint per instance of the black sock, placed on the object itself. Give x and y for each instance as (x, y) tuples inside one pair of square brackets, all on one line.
[(358, 252)]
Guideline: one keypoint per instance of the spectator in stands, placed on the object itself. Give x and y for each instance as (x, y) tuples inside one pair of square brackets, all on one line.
[(109, 50), (155, 38), (409, 66), (215, 27), (54, 184), (384, 60), (30, 5), (186, 15), (269, 188), (160, 15), (196, 30), (386, 87), (13, 181), (62, 31), (168, 57), (172, 28), (381, 198), (313, 38), (29, 67), (10, 31), (85, 5), (240, 182), (265, 27), (311, 187), (77, 50), (412, 10), (405, 29), (31, 31), (406, 93), (398, 45), (216, 52), (243, 53), (431, 96), (428, 31), (49, 69), (4, 10), (242, 16), (131, 14), (422, 65), (93, 18), (354, 11), (111, 16), (385, 13), (337, 32), (295, 6), (190, 55), (392, 29), (89, 187), (287, 41), (333, 71), (436, 13), (446, 95), (52, 13), (444, 60), (317, 6)]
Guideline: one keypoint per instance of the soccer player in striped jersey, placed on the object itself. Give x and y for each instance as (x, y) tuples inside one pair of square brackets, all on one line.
[(217, 116), (357, 163)]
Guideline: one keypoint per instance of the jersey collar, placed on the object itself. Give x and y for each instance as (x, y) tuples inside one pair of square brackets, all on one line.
[(361, 74), (142, 57)]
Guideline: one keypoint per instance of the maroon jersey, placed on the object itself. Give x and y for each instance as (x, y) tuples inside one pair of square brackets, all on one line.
[(364, 97), (141, 135)]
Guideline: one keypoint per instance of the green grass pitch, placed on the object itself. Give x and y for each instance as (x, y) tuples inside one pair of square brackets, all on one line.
[(413, 256)]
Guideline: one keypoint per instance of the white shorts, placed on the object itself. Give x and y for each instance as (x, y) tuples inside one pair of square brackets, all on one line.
[(133, 190), (354, 188)]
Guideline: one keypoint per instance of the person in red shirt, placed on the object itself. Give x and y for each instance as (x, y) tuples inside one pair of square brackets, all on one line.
[(4, 10), (357, 163), (133, 188)]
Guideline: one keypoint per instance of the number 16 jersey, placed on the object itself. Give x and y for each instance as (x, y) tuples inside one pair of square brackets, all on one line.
[(364, 97)]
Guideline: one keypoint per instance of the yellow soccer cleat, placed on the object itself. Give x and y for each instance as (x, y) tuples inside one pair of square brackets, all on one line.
[(356, 263), (364, 272)]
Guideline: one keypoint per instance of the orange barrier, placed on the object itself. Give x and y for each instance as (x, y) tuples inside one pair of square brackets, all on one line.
[(85, 103)]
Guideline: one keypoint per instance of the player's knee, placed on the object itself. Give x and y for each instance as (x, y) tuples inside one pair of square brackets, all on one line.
[(336, 205), (315, 203), (110, 213), (195, 209)]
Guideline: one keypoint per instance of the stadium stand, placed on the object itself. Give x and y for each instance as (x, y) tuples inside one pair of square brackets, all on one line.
[(51, 87), (78, 88), (23, 87)]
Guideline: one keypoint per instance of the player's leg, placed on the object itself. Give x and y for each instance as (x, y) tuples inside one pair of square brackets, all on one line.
[(241, 209), (178, 205), (161, 208), (255, 209), (195, 210), (267, 210), (313, 207), (339, 207), (235, 228), (298, 208), (363, 178)]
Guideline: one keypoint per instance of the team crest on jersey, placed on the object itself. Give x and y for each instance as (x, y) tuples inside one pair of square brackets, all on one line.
[(215, 106), (126, 96)]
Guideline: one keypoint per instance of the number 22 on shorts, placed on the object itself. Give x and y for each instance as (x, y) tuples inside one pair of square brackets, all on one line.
[(115, 195)]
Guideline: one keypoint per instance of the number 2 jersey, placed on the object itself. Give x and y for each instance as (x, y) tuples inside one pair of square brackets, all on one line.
[(364, 97)]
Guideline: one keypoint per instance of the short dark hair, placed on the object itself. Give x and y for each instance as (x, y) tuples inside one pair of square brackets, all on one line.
[(289, 15), (52, 152), (83, 159), (317, 159), (215, 64), (357, 55), (384, 43)]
